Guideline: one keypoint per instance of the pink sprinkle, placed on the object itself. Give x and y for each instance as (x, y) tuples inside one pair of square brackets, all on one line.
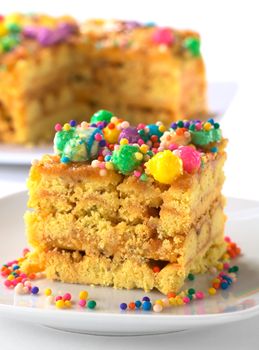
[(186, 300), (67, 296), (98, 137), (137, 173), (198, 126), (227, 239), (23, 275), (226, 266), (14, 282), (140, 142), (163, 36), (141, 126), (58, 127), (199, 294), (101, 165), (82, 303), (58, 297), (8, 283), (4, 274)]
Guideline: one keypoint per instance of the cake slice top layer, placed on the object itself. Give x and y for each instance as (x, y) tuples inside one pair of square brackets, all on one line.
[(110, 144), (24, 34)]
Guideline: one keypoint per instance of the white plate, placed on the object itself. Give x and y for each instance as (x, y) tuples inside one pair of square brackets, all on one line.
[(220, 95), (240, 301)]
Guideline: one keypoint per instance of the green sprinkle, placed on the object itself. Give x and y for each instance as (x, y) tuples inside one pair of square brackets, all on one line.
[(191, 291), (193, 46), (91, 304), (192, 127), (191, 277), (180, 124), (143, 177), (216, 125)]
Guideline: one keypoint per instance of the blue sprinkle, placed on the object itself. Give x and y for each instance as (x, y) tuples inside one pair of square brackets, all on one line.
[(146, 306), (174, 126), (214, 149), (65, 159), (35, 290), (224, 285), (211, 120), (145, 299), (72, 123), (107, 158), (138, 304), (123, 306), (16, 267), (102, 143)]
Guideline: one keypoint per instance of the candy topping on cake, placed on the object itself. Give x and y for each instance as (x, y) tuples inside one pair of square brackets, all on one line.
[(143, 151)]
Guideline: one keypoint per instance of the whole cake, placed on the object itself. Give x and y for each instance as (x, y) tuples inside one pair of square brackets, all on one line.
[(125, 206), (54, 69)]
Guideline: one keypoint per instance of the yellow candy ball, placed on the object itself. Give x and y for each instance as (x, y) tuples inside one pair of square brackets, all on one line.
[(83, 295), (66, 127), (212, 291), (47, 291), (165, 167), (207, 126), (111, 135), (60, 304), (124, 141)]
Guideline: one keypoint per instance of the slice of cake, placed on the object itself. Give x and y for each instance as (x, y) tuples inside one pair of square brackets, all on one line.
[(130, 207), (54, 69)]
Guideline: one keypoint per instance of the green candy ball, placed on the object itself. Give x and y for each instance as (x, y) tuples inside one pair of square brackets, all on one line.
[(124, 159), (101, 116), (193, 46)]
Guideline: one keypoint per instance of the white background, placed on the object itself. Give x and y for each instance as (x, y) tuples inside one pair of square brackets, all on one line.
[(230, 40)]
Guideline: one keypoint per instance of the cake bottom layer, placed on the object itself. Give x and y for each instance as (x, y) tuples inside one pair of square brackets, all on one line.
[(76, 267)]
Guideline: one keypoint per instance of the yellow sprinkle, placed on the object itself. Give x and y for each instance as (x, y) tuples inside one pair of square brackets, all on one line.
[(60, 304), (138, 156), (219, 266), (144, 148), (162, 128), (207, 126), (66, 127), (47, 292), (226, 257), (212, 291), (10, 277), (109, 165), (83, 295), (159, 301), (172, 301), (114, 120), (68, 303), (216, 280), (124, 141)]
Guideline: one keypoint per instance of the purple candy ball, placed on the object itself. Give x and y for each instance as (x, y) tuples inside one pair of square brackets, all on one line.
[(131, 134)]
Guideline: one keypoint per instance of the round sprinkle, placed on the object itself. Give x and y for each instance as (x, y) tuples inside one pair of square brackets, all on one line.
[(65, 160), (224, 285), (171, 295), (72, 123), (186, 300), (60, 304), (83, 295), (66, 127), (156, 269), (82, 302), (68, 303), (58, 127), (138, 304), (145, 298), (123, 306), (191, 291), (157, 308), (91, 304), (132, 305), (199, 295), (58, 297), (67, 296), (191, 277), (47, 292), (35, 290), (146, 306), (212, 291)]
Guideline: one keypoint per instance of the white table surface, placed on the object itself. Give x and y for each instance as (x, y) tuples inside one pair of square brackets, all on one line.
[(230, 33)]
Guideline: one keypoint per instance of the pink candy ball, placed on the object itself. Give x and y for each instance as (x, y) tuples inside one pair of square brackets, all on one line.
[(82, 303), (67, 296), (191, 159), (199, 295), (163, 36)]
